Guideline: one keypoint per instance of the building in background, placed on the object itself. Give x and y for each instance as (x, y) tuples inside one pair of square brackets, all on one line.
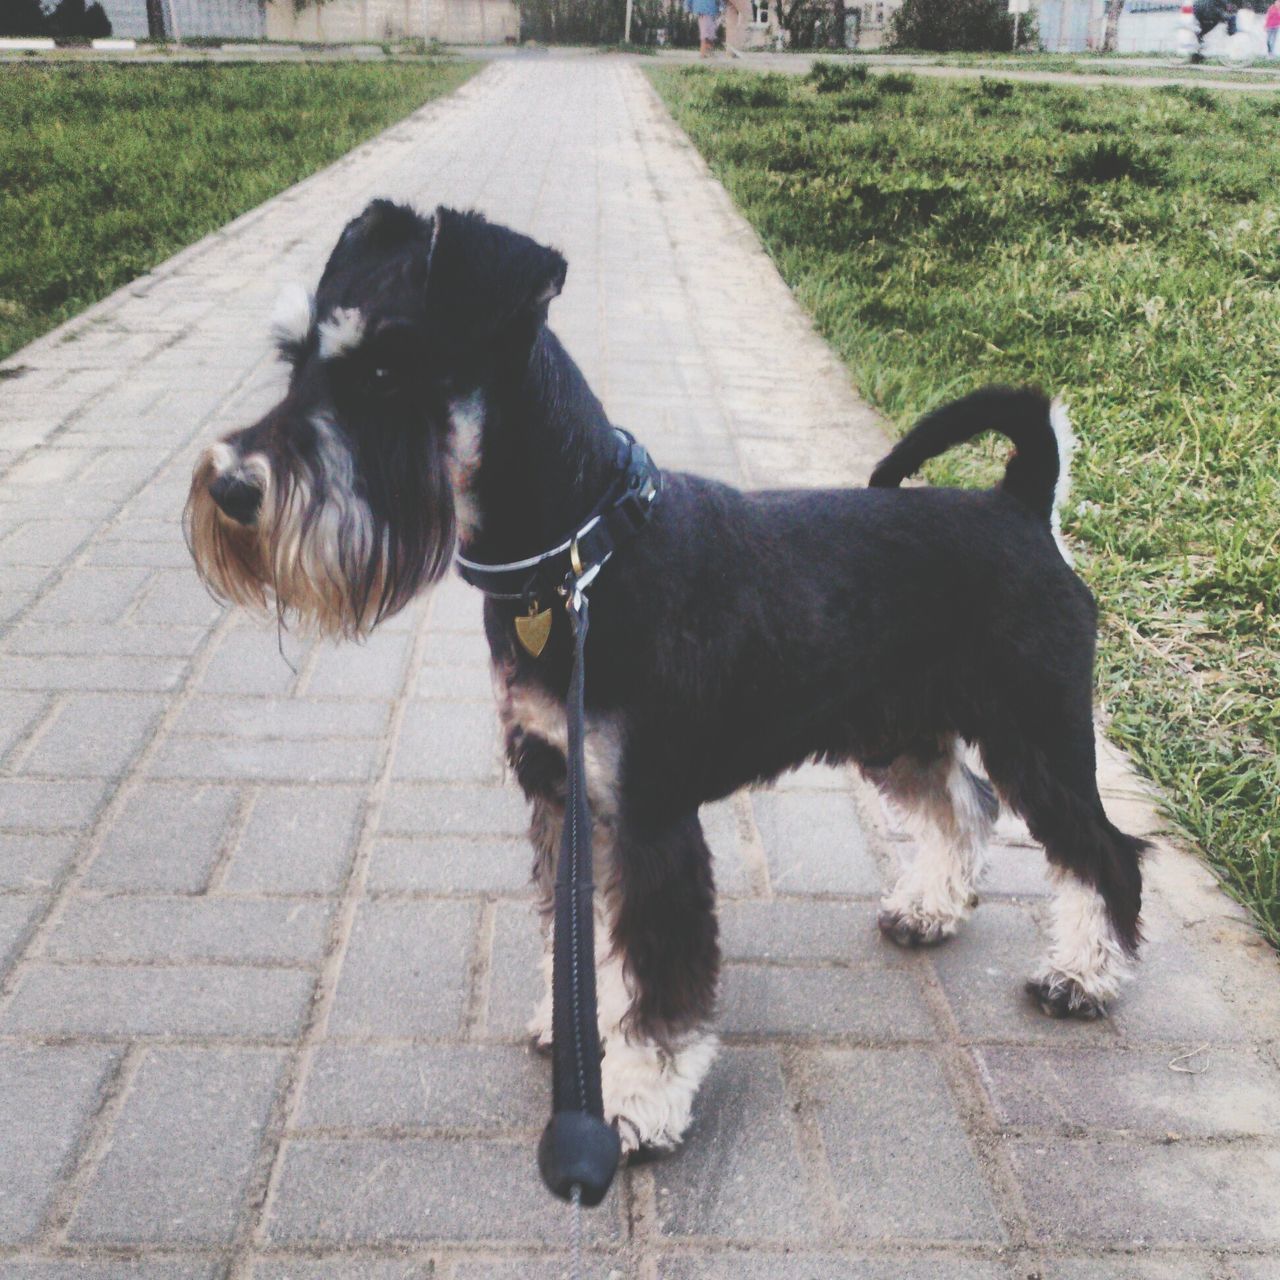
[(872, 23), (336, 21), (449, 21)]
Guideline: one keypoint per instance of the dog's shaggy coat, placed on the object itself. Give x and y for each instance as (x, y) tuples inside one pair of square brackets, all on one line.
[(737, 636)]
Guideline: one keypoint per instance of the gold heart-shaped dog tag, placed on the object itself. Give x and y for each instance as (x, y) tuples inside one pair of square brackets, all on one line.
[(532, 631)]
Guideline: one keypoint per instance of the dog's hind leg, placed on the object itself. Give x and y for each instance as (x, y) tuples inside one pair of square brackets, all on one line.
[(657, 983), (1094, 922), (951, 811)]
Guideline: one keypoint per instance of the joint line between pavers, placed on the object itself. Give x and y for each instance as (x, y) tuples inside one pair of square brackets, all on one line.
[(480, 970), (751, 846), (974, 1108), (231, 840), (126, 783), (21, 750), (808, 1138), (94, 1144), (251, 1231), (128, 617)]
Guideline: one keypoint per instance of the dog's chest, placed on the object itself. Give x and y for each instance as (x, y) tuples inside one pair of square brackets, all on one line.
[(536, 741)]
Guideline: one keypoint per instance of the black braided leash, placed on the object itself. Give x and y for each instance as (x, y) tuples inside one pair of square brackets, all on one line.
[(578, 1154)]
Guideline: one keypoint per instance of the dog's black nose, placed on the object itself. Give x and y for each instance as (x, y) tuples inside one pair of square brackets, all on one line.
[(237, 498)]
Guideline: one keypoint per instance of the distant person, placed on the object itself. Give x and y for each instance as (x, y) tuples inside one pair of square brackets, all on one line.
[(1208, 14), (708, 14), (1272, 25)]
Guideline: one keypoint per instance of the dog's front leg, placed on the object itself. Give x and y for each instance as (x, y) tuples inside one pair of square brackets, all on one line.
[(657, 961), (657, 981)]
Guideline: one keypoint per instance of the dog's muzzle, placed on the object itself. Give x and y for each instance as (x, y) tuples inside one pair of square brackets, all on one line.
[(237, 497)]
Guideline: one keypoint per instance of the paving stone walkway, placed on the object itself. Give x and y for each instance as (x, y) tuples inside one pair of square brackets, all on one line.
[(265, 948)]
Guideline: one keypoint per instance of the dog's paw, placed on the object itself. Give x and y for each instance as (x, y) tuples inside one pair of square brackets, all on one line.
[(539, 1026), (910, 927), (649, 1091), (1061, 996)]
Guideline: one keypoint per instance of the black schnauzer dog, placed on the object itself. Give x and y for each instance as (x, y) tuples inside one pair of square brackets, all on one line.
[(430, 412)]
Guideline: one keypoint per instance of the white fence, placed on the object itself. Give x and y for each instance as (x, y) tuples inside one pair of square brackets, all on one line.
[(1146, 26), (233, 19)]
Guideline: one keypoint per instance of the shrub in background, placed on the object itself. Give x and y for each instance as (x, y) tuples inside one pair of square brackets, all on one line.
[(974, 26), (23, 18), (71, 20), (836, 77)]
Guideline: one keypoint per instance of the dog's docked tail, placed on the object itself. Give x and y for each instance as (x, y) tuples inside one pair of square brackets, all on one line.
[(1039, 470)]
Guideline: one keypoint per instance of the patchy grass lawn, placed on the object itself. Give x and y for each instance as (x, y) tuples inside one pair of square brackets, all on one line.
[(1122, 246), (106, 170), (1129, 65)]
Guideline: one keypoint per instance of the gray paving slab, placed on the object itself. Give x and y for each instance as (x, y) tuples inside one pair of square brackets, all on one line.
[(212, 1001), (183, 1149), (802, 1001), (391, 1190), (344, 1267), (451, 865), (1168, 1267), (545, 1268), (787, 929), (296, 840), (734, 1181), (30, 863), (165, 838), (902, 1166), (98, 1268), (1214, 1093), (271, 946), (17, 916), (1136, 1193), (122, 929), (814, 843), (474, 1087), (515, 974), (47, 1098), (405, 970), (828, 1266), (94, 735)]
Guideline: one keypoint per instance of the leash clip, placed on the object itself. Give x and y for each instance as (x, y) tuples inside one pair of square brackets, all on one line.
[(576, 583)]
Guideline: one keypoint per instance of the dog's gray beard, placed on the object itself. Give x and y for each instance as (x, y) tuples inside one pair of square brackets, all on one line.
[(321, 563)]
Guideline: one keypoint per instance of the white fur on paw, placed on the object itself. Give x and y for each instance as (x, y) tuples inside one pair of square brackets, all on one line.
[(910, 925), (649, 1092), (539, 1026)]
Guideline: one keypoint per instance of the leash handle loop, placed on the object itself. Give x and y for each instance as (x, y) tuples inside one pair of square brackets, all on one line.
[(578, 1150)]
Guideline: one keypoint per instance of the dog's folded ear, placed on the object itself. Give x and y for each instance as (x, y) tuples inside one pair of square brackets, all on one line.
[(484, 277)]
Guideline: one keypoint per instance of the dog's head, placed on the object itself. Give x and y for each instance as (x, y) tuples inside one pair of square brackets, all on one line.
[(347, 498)]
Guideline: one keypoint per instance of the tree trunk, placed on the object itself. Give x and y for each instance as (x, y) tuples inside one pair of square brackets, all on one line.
[(837, 24), (1114, 9), (155, 19)]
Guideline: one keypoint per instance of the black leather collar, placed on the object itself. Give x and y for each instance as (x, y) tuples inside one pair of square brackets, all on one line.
[(576, 559)]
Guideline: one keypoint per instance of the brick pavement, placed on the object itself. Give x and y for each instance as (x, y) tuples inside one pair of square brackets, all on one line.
[(265, 949)]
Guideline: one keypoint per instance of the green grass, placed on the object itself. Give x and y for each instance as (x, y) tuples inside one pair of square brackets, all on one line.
[(106, 171), (1259, 74), (1121, 246)]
